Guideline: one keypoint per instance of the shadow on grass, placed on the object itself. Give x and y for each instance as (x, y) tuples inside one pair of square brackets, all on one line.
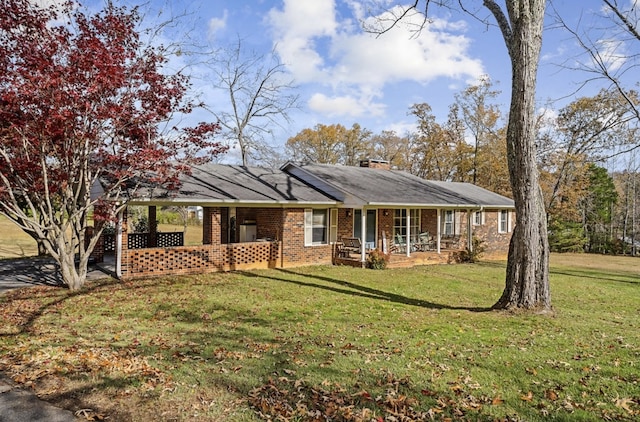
[(353, 289), (60, 294), (616, 278)]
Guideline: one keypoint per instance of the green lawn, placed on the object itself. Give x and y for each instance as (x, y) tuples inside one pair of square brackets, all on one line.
[(334, 342), (14, 243)]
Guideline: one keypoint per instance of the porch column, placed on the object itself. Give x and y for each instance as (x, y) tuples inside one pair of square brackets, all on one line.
[(363, 233), (121, 242), (408, 241), (211, 226), (469, 230), (438, 229), (153, 227)]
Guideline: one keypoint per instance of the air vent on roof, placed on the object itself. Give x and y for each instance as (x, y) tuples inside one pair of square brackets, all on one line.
[(376, 164)]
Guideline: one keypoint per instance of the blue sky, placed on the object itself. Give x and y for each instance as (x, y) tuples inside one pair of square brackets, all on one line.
[(345, 75)]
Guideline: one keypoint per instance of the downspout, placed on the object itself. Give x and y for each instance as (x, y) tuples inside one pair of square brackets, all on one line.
[(469, 231), (363, 233), (438, 231), (407, 240), (480, 210)]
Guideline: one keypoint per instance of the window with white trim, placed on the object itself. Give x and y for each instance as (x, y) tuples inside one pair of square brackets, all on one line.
[(478, 218), (316, 225), (400, 222), (504, 225), (449, 223)]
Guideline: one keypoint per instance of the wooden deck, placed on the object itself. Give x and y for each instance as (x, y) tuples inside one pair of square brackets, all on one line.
[(401, 260)]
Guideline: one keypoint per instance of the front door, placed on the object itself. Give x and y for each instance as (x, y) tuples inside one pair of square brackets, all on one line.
[(370, 238)]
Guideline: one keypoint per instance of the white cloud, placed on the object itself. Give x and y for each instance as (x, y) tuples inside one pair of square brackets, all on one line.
[(321, 44), (612, 53), (346, 106), (218, 24)]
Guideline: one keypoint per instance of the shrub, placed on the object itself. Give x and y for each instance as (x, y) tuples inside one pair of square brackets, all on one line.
[(469, 256), (377, 260)]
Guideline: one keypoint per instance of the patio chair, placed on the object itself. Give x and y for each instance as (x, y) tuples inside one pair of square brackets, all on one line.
[(425, 242), (399, 244)]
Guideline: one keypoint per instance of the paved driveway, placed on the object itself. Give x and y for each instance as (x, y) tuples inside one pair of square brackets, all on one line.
[(36, 271)]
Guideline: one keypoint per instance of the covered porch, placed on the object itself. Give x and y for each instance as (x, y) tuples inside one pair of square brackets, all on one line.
[(418, 235)]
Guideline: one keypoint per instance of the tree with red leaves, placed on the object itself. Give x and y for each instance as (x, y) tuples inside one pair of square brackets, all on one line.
[(82, 104)]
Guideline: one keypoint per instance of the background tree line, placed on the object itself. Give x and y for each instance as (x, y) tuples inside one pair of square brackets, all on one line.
[(589, 207)]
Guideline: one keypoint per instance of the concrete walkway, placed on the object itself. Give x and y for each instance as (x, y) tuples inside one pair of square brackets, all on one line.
[(42, 271), (18, 404)]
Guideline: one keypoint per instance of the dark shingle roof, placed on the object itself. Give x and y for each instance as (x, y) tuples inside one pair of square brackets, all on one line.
[(319, 184), (391, 187), (219, 183), (475, 193)]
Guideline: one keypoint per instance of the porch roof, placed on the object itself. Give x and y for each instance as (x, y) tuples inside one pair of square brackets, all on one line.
[(361, 186), (229, 184)]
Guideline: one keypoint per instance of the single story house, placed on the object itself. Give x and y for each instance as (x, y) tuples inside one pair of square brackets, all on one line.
[(303, 214)]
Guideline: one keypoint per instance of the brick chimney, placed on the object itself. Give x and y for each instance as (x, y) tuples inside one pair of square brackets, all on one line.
[(376, 164)]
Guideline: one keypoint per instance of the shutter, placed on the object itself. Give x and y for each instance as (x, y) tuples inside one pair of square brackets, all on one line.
[(308, 227), (333, 228)]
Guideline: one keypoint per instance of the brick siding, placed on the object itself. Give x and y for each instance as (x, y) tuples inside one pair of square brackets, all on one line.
[(283, 232), (496, 244)]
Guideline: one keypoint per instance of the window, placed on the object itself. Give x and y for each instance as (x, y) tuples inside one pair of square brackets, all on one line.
[(478, 218), (400, 222), (315, 227), (503, 222), (449, 228)]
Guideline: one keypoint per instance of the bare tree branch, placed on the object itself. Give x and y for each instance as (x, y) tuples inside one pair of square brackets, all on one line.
[(260, 96)]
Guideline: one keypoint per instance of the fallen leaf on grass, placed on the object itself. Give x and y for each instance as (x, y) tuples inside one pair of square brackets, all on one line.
[(497, 400), (625, 404), (90, 415), (551, 395), (527, 397)]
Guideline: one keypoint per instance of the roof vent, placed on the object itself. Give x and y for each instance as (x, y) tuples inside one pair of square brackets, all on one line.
[(376, 164)]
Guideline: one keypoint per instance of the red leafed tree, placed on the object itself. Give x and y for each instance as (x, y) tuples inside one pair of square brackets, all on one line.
[(83, 103)]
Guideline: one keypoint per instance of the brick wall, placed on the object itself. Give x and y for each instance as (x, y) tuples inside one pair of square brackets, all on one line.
[(211, 225), (345, 223), (429, 222), (98, 251), (150, 262), (215, 255), (294, 252), (496, 244), (385, 224), (245, 215), (286, 228), (269, 223)]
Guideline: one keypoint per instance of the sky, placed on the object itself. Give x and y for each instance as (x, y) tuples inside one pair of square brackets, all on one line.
[(346, 75)]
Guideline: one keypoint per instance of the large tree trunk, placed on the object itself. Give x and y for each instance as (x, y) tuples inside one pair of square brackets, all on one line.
[(527, 277)]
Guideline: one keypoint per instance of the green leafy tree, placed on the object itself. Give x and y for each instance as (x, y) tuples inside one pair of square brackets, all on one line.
[(598, 208)]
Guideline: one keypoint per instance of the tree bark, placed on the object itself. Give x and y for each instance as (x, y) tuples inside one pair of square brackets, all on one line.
[(527, 276)]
